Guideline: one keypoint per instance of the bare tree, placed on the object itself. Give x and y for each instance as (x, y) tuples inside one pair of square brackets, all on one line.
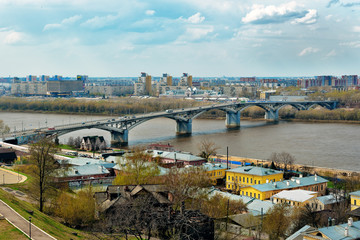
[(285, 159), (77, 142), (207, 148), (44, 164), (4, 128), (277, 221), (71, 142)]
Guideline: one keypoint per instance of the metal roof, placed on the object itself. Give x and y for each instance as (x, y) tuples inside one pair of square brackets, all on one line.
[(356, 193), (85, 170), (297, 195), (252, 170), (338, 231), (289, 184)]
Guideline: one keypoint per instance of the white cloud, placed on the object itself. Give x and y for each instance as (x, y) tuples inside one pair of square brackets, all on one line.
[(14, 37), (149, 12), (271, 13), (196, 18), (65, 22), (100, 22), (308, 50), (355, 44), (196, 33), (332, 53), (356, 29), (309, 18)]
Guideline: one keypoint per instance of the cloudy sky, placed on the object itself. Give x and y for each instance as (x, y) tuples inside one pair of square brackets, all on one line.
[(202, 37)]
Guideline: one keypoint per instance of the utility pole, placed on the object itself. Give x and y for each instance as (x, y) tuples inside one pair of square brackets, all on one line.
[(30, 227), (227, 157)]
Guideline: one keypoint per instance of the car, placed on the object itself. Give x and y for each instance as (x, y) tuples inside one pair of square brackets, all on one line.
[(51, 128), (169, 111), (83, 123)]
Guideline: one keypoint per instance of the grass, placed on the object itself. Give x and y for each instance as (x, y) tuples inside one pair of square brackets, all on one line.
[(64, 146), (42, 220), (9, 232), (64, 155)]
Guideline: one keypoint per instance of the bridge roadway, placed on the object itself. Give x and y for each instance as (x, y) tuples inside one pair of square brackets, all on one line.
[(120, 127)]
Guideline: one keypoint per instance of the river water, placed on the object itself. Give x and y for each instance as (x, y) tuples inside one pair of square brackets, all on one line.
[(334, 145)]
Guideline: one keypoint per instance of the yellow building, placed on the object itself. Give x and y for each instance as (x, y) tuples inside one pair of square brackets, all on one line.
[(249, 175), (355, 200), (267, 190), (215, 171)]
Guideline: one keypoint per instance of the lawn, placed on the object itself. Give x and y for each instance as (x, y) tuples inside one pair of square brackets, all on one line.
[(9, 232)]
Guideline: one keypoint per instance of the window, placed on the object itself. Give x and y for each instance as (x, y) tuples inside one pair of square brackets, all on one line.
[(228, 185), (322, 187), (246, 193), (251, 180), (247, 180), (229, 178), (258, 195), (250, 194), (243, 179), (354, 202), (255, 182), (232, 178), (236, 178)]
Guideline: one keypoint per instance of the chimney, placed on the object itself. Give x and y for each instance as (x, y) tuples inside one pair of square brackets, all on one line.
[(350, 221), (346, 231), (275, 185), (287, 183), (267, 180), (300, 176), (298, 181), (315, 177)]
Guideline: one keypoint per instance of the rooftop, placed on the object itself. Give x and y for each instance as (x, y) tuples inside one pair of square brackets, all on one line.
[(289, 184), (338, 231), (84, 170), (213, 166), (356, 193), (297, 195), (175, 155), (252, 170)]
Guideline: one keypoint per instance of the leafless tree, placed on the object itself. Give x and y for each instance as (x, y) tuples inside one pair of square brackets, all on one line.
[(207, 148), (77, 142), (285, 159)]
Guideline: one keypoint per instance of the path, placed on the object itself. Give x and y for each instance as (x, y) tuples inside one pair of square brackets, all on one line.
[(10, 177), (23, 224)]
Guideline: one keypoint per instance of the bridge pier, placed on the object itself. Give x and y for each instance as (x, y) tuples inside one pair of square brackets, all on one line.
[(184, 127), (119, 139), (232, 119), (272, 115)]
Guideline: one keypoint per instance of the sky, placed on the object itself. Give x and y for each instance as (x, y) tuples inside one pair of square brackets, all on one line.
[(205, 38)]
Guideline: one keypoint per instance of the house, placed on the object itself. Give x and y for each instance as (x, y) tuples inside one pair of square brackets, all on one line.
[(266, 190), (298, 197), (355, 200), (215, 171), (176, 157), (346, 231), (81, 161), (93, 143), (250, 175), (7, 156), (139, 207), (84, 172), (326, 202), (161, 147)]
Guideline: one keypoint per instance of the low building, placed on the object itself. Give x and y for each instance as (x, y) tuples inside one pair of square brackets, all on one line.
[(215, 171), (296, 197), (250, 175), (161, 147), (346, 231), (355, 200), (175, 157), (84, 172), (267, 190), (7, 156), (326, 202)]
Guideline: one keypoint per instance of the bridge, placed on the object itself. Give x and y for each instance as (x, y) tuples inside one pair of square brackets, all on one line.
[(120, 127)]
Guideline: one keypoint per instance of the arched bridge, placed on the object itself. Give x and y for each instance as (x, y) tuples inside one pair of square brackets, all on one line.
[(120, 127)]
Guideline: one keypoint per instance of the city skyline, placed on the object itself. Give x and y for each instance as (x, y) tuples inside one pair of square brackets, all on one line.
[(204, 38)]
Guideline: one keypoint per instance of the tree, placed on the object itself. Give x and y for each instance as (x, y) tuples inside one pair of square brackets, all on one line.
[(219, 206), (77, 142), (277, 221), (43, 166), (76, 209), (207, 148), (286, 159), (4, 128), (71, 142), (137, 168), (186, 183)]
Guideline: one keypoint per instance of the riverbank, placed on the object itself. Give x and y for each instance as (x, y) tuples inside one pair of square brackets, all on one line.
[(322, 171)]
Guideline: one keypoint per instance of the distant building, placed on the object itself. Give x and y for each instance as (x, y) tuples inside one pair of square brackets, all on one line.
[(351, 80), (355, 200), (93, 143), (185, 80), (266, 94), (298, 197), (82, 172), (31, 78), (216, 172), (238, 178), (161, 147), (174, 157), (7, 156), (166, 79), (143, 86), (267, 190)]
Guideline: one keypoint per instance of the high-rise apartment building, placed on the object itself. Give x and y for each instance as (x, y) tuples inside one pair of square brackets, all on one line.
[(167, 79), (44, 78), (185, 80), (350, 80), (31, 78)]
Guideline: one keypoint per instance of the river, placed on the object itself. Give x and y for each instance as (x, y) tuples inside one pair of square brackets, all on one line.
[(334, 145)]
